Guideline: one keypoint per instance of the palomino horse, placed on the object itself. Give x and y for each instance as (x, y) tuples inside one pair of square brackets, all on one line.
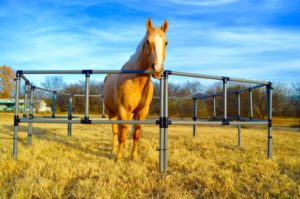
[(128, 96)]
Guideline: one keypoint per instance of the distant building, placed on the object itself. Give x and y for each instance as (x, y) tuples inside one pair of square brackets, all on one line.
[(8, 105), (42, 106)]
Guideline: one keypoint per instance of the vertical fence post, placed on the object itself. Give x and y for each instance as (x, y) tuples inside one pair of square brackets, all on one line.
[(225, 119), (238, 94), (70, 107), (26, 99), (269, 109), (29, 130), (103, 107), (87, 96), (54, 97), (251, 104), (195, 116), (214, 107), (16, 116), (161, 130), (166, 122)]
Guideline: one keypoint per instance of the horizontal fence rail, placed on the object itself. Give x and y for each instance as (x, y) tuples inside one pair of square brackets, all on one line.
[(74, 72), (213, 77), (25, 120), (163, 120), (229, 93)]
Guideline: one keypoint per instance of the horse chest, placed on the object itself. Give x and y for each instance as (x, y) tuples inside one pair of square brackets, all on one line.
[(135, 93)]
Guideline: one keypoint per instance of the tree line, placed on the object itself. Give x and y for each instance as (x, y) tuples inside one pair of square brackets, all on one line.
[(286, 97)]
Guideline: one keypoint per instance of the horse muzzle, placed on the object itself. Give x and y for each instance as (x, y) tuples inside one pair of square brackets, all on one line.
[(157, 71), (156, 75)]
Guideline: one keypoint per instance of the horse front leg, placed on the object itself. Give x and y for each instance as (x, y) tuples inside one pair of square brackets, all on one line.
[(136, 137), (123, 131), (137, 132)]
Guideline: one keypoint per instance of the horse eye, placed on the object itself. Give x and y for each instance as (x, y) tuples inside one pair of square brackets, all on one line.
[(148, 41), (166, 43)]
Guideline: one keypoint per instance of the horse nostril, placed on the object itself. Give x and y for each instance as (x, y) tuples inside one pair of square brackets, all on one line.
[(153, 66)]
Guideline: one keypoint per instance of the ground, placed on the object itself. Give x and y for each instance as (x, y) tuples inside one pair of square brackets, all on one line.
[(210, 165)]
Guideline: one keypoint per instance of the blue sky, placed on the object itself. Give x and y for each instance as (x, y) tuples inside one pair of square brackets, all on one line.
[(252, 39)]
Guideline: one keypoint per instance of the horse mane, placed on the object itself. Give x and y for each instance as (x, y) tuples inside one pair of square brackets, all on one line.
[(137, 55)]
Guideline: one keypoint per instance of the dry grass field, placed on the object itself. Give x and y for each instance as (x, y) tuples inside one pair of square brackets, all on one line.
[(209, 165)]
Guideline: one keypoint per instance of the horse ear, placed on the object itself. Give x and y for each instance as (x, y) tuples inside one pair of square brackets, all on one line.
[(149, 24), (164, 27)]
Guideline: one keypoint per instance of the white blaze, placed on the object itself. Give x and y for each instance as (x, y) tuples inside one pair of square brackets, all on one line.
[(158, 41)]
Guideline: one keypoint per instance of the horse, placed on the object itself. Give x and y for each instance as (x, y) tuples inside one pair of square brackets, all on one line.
[(128, 96)]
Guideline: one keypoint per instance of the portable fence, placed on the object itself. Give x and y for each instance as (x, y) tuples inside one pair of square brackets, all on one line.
[(163, 121)]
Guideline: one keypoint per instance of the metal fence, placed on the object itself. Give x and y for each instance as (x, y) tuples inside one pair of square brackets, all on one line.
[(163, 121)]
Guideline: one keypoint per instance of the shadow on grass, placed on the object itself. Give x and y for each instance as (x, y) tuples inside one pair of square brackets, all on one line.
[(100, 147)]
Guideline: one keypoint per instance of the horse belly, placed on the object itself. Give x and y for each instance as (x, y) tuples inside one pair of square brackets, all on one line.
[(110, 94)]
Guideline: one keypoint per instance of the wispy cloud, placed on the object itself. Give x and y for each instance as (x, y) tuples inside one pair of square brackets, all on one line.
[(248, 52), (249, 39)]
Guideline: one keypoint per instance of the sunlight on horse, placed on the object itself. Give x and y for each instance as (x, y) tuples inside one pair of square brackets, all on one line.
[(128, 96)]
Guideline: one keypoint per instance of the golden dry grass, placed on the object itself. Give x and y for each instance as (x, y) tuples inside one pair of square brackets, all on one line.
[(207, 166), (286, 121)]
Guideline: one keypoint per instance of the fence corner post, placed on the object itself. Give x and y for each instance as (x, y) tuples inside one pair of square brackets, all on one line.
[(16, 115)]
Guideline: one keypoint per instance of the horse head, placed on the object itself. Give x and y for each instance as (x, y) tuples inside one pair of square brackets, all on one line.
[(156, 44)]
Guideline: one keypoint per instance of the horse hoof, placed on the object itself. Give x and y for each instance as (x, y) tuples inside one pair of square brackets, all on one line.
[(114, 151), (133, 157), (118, 158)]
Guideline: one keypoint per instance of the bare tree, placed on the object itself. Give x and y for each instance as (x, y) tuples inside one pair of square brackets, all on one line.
[(295, 97), (54, 82), (296, 88), (260, 103), (193, 87), (95, 103)]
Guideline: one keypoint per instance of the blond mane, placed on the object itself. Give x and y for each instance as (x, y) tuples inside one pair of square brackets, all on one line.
[(134, 58)]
